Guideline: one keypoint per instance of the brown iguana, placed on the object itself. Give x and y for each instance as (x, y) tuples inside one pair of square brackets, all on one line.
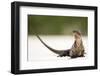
[(77, 49)]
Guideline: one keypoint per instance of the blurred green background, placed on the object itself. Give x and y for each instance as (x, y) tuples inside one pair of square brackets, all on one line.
[(56, 25)]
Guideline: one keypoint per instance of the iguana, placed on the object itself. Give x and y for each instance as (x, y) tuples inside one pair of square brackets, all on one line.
[(77, 49)]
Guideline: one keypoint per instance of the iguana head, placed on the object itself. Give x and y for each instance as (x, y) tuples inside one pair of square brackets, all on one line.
[(77, 34)]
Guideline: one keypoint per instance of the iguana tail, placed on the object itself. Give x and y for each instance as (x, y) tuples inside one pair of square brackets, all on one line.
[(53, 50)]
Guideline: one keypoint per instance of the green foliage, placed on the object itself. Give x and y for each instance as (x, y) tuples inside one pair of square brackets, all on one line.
[(56, 25)]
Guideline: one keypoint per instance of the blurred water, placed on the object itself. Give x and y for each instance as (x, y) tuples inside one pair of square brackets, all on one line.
[(37, 51)]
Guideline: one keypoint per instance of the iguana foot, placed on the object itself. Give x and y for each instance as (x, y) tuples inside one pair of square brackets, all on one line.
[(73, 56), (81, 56), (77, 56)]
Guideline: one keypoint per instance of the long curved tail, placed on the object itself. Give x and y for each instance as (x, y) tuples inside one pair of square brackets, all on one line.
[(60, 52), (53, 50)]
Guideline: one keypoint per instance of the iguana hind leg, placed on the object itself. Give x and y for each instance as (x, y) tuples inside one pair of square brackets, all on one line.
[(64, 53)]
